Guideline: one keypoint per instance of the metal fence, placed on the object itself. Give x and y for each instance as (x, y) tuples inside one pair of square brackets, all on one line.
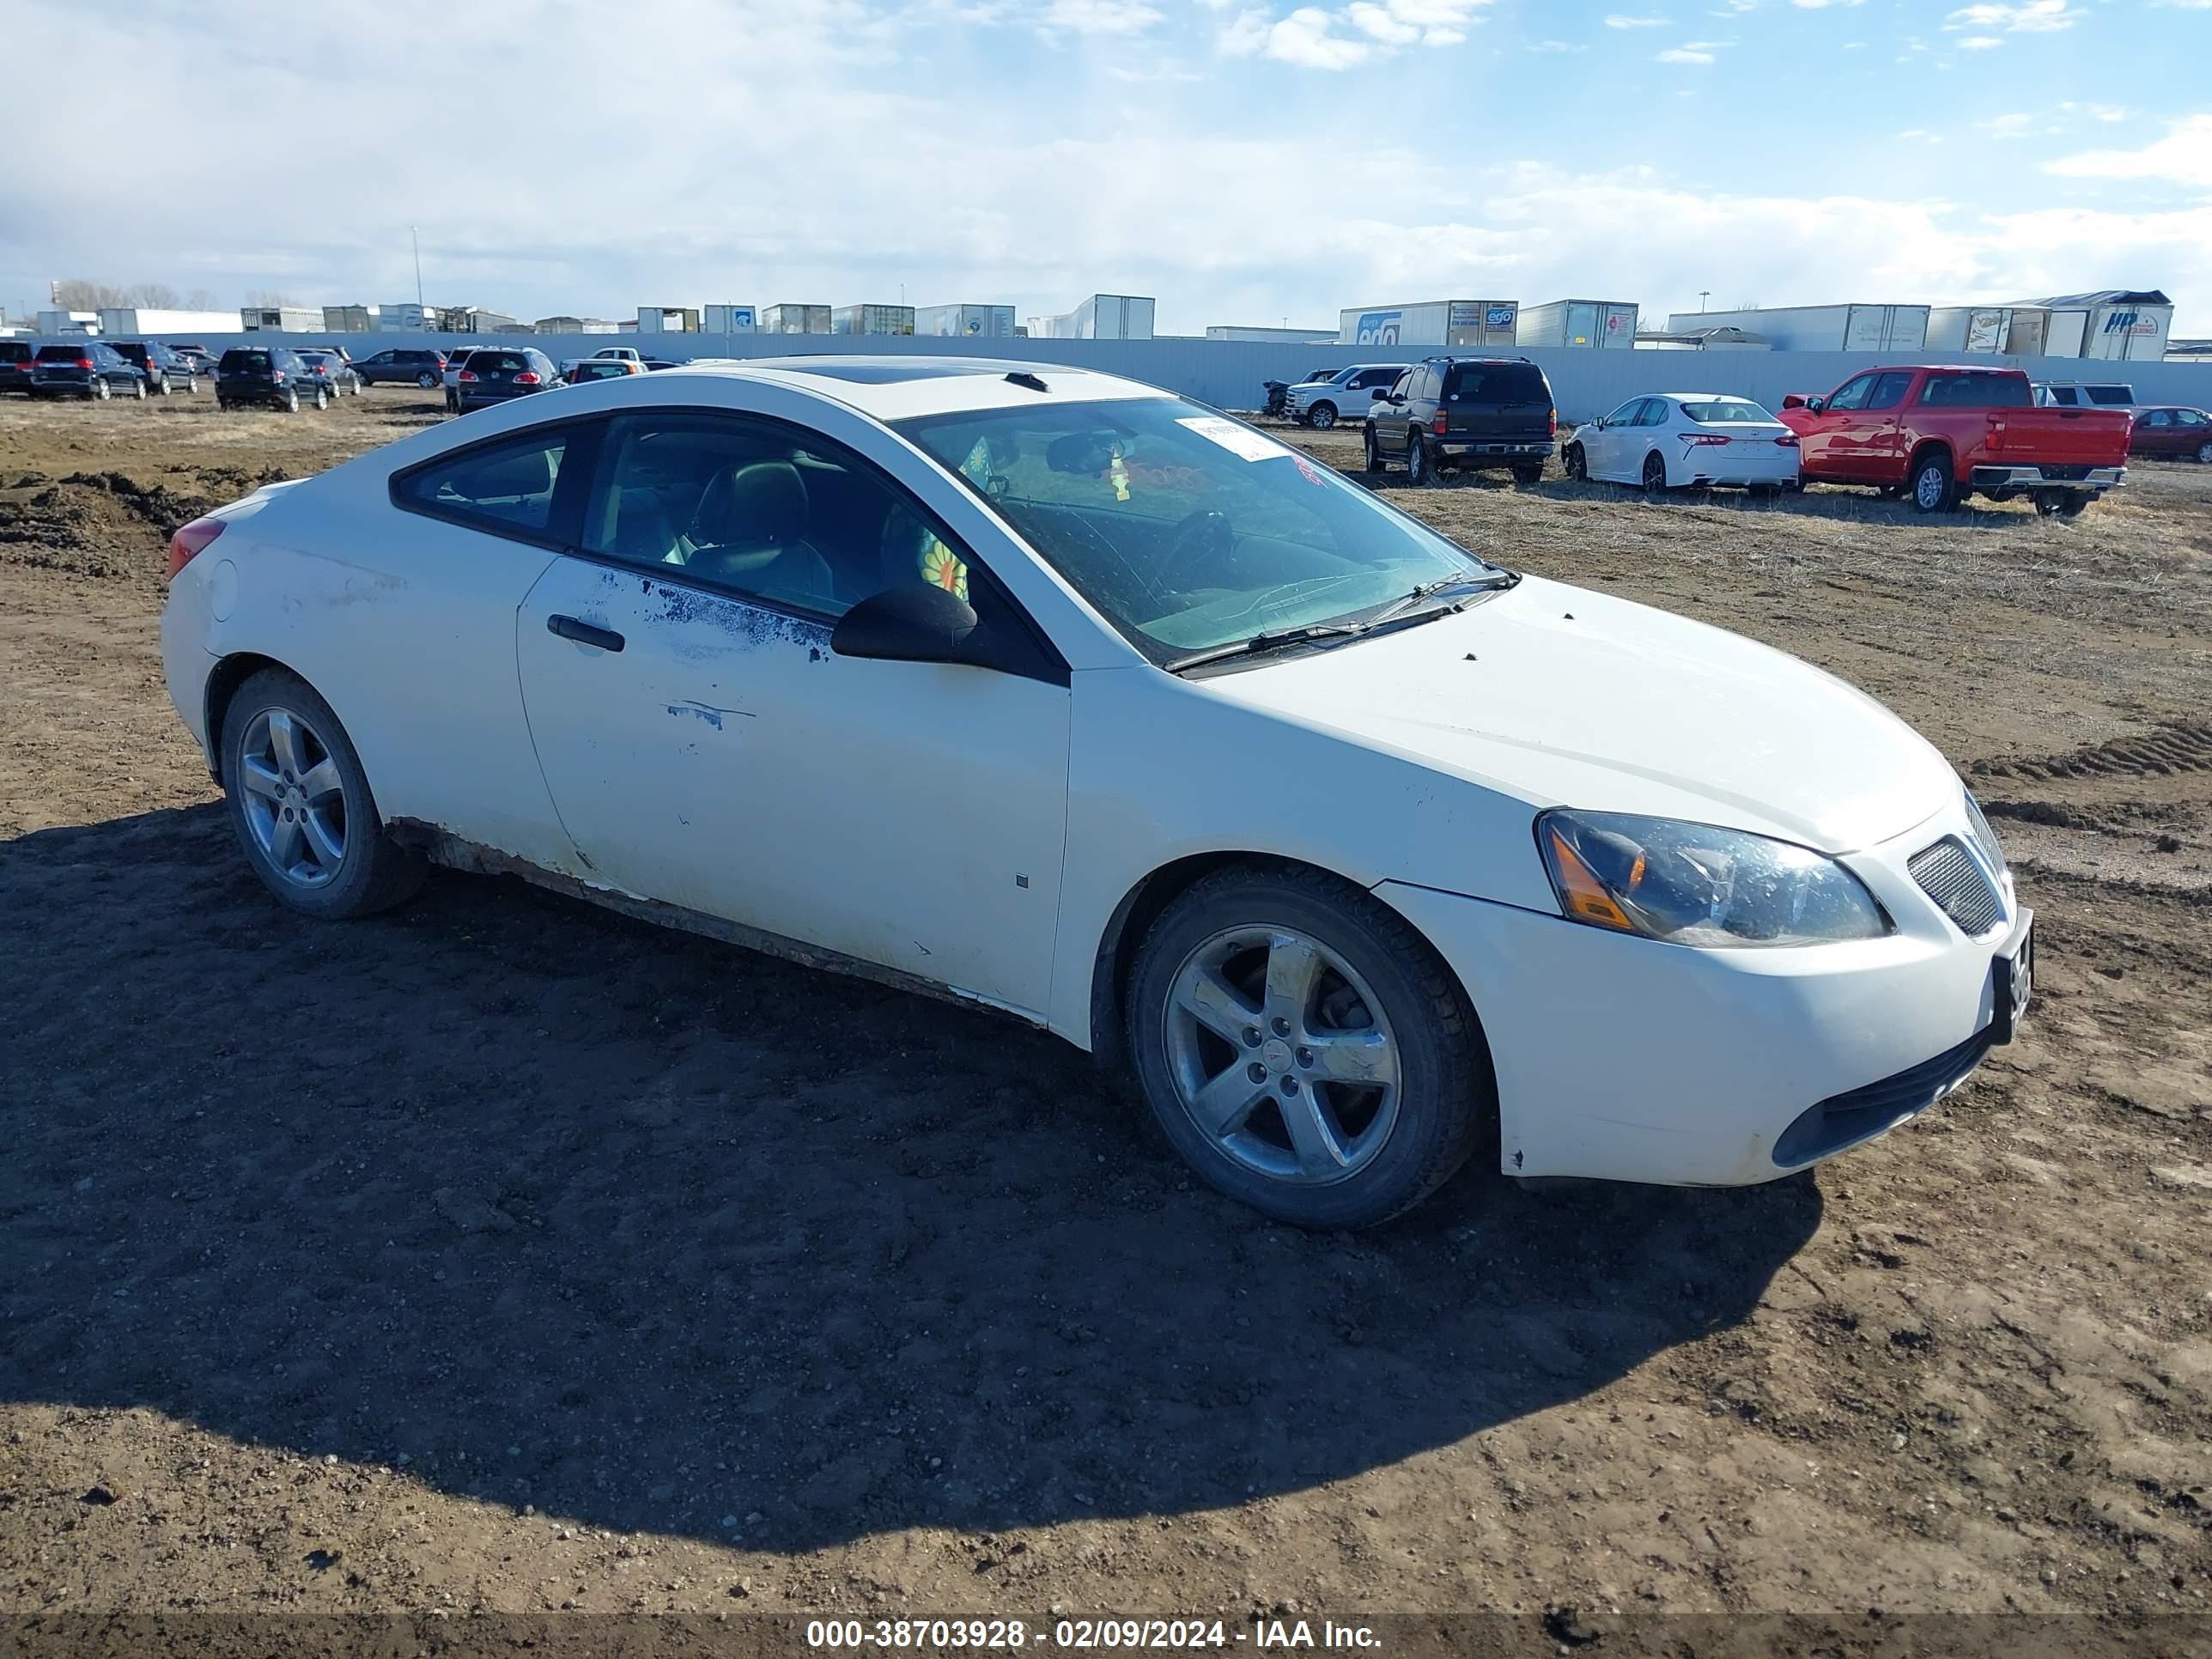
[(1227, 374)]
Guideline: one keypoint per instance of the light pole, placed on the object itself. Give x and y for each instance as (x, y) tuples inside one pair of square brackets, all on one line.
[(417, 242), (1702, 293)]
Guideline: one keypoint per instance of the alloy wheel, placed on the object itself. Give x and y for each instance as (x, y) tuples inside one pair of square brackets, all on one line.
[(294, 797), (1281, 1055)]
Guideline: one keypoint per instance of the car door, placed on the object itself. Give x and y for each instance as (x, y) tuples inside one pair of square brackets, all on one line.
[(706, 748), (1383, 412), (1825, 445), (1601, 447), (2153, 434), (2192, 430), (1876, 434)]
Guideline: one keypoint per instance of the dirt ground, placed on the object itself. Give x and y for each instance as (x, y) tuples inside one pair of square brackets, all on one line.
[(503, 1256)]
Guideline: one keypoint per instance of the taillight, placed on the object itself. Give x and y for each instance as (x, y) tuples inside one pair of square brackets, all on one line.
[(1787, 440), (1552, 426), (633, 369), (1437, 425), (467, 374), (84, 362), (188, 543), (528, 377), (280, 377), (1698, 439)]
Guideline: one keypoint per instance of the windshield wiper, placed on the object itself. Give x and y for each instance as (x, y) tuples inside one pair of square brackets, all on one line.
[(1260, 642), (1405, 602)]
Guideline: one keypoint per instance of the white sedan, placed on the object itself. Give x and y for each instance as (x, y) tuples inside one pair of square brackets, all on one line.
[(1685, 439), (1048, 691)]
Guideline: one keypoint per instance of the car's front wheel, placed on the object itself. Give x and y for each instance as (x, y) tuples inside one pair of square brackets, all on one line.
[(138, 389), (1321, 416), (300, 806), (1304, 1049), (322, 397), (1418, 469), (1576, 462)]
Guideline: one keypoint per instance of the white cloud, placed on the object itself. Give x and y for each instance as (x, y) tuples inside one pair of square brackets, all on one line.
[(2100, 112), (1684, 54), (1980, 42), (1313, 38), (1737, 7), (1556, 45), (2034, 17), (1307, 37), (1822, 5), (1101, 16), (2014, 125), (1623, 21), (2183, 157)]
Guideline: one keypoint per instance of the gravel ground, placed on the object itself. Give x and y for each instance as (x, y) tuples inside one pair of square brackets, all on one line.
[(503, 1257)]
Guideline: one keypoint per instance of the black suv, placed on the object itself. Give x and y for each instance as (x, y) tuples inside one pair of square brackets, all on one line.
[(1485, 413), (424, 368), (166, 369), (494, 373), (15, 365), (272, 376), (85, 369)]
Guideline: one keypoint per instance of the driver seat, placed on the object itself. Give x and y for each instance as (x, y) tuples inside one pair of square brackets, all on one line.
[(751, 531)]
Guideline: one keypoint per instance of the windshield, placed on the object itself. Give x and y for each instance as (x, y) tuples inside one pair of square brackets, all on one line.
[(1709, 410), (1186, 529)]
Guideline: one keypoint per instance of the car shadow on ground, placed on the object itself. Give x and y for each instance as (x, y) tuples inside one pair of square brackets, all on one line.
[(654, 1233)]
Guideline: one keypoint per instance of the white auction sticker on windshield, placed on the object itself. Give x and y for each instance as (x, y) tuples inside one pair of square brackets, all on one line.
[(1236, 440)]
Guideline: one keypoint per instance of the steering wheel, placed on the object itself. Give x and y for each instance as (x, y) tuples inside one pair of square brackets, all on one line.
[(1203, 535)]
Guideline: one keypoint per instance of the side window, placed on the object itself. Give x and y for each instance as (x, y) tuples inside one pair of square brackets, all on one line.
[(1853, 394), (1656, 411), (2190, 417), (2158, 417), (1626, 414), (1403, 385), (740, 505), (504, 488), (1888, 390)]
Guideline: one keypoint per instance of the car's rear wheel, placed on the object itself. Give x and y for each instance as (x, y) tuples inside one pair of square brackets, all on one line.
[(1525, 476), (1304, 1049), (427, 381), (2062, 504), (1934, 490), (101, 390), (162, 385), (301, 803), (1418, 469), (1576, 462), (322, 397), (2204, 454), (1655, 476), (138, 388), (1374, 447), (193, 384), (291, 401)]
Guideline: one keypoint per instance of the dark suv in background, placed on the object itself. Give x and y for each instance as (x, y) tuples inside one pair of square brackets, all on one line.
[(166, 369), (424, 368), (328, 367), (85, 369), (1487, 413), (495, 374), (16, 365), (270, 376)]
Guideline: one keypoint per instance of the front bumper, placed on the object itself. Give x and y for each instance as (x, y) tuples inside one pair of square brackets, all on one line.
[(1625, 1059), (2048, 477)]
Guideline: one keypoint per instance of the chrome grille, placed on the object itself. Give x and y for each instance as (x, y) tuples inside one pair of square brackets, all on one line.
[(1950, 876)]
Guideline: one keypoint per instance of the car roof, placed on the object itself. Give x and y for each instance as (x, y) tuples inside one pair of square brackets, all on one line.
[(893, 388), (1726, 396)]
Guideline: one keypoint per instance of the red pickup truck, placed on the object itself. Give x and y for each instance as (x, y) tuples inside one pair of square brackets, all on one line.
[(1939, 434)]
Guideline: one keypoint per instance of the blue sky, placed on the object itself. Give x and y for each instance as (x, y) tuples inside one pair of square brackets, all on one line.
[(1245, 161)]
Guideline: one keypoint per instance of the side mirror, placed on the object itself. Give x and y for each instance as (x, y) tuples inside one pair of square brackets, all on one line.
[(1599, 423), (1793, 401), (1815, 404), (915, 621)]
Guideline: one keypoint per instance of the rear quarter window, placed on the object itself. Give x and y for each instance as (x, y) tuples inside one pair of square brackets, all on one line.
[(505, 488)]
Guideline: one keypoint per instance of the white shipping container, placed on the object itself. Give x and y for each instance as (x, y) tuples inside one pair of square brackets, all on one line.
[(871, 319), (1820, 328), (69, 322), (731, 319), (795, 320), (1110, 317), (142, 322), (1489, 322), (283, 320), (667, 320), (1984, 331), (1589, 323), (966, 321), (1275, 335)]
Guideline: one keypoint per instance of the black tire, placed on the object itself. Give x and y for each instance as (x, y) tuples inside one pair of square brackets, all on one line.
[(1891, 492), (427, 381), (1420, 468), (375, 873), (1373, 446), (100, 392), (1526, 476), (2074, 503), (162, 385), (138, 388), (2204, 454), (1445, 1099), (1321, 416), (1932, 487), (291, 401), (322, 397), (193, 384), (1654, 476), (1576, 462)]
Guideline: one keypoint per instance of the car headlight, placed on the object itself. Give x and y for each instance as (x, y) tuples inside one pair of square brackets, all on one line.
[(1694, 884)]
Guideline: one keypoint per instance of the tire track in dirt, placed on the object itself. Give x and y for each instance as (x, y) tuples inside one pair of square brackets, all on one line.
[(2162, 750)]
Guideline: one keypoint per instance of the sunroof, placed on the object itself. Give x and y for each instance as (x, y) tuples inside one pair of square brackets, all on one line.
[(885, 371)]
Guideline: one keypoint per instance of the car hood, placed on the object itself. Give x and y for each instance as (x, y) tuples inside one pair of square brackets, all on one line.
[(1565, 697)]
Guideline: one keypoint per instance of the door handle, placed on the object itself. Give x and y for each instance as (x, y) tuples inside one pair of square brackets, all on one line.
[(569, 628)]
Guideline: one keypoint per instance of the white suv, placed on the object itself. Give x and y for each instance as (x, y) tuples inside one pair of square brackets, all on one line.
[(1344, 394)]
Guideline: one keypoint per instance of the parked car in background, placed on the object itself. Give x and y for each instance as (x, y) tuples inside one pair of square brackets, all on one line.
[(16, 357), (167, 369), (600, 369), (493, 374), (201, 359), (627, 353), (1484, 413), (2172, 433), (1683, 440), (403, 366), (270, 377), (85, 369), (1625, 897), (456, 361), (327, 367), (655, 365), (1938, 434), (2092, 394), (1343, 396)]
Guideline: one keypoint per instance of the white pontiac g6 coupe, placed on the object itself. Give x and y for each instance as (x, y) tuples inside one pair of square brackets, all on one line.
[(1049, 691)]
